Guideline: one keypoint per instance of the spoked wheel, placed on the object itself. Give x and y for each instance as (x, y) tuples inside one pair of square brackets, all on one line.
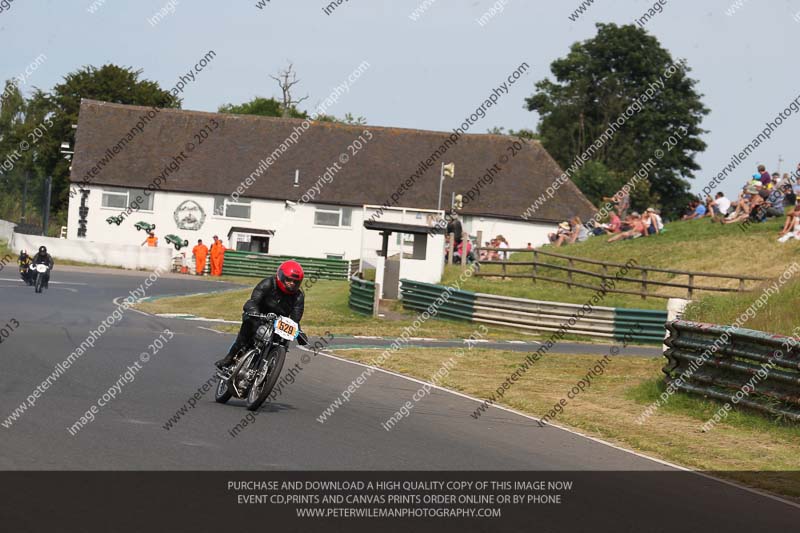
[(268, 373), (39, 282), (223, 392)]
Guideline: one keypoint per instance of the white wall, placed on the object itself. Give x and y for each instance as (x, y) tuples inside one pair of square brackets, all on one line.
[(295, 233), (120, 255), (6, 229), (517, 233)]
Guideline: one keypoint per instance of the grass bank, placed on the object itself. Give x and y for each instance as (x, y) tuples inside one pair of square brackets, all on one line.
[(610, 406), (696, 245)]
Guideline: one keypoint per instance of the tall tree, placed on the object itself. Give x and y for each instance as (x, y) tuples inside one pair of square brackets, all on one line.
[(596, 83), (287, 78), (109, 83)]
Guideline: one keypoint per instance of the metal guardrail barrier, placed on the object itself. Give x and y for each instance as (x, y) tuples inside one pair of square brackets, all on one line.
[(767, 366), (363, 296), (534, 315), (263, 265), (644, 281)]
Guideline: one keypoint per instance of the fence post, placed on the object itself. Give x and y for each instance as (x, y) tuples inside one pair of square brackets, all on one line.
[(569, 273), (464, 247), (741, 284), (450, 246), (376, 300), (691, 286), (535, 266), (604, 274), (644, 284), (478, 247)]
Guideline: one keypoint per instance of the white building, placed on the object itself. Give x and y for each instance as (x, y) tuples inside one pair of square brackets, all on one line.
[(293, 187)]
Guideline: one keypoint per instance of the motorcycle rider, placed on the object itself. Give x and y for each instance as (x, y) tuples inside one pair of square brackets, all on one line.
[(43, 258), (24, 262), (279, 294)]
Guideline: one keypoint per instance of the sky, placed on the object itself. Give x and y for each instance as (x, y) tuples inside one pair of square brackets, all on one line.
[(428, 73)]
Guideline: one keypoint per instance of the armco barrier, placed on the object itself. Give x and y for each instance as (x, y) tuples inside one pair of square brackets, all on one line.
[(534, 315), (737, 365), (263, 265), (362, 296)]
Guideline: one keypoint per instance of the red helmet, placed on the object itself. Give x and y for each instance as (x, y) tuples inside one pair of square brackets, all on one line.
[(289, 277)]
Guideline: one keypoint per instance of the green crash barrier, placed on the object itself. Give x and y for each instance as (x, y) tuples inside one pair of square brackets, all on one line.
[(362, 296), (617, 323), (741, 366), (263, 265)]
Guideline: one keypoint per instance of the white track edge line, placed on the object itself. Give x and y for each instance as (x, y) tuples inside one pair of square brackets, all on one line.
[(574, 432)]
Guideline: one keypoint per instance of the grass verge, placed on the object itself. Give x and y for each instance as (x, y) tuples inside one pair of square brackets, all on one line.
[(326, 309), (609, 408)]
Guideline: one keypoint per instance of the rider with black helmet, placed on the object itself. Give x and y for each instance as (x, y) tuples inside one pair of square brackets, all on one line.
[(279, 294), (43, 258)]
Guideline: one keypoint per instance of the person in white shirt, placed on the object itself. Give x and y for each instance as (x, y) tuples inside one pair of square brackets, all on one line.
[(657, 218), (720, 205), (502, 243)]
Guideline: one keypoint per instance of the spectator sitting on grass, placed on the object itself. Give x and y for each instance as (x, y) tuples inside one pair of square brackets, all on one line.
[(749, 208), (578, 232), (774, 204), (561, 235), (789, 198), (720, 206), (637, 229), (763, 175), (791, 230), (614, 225), (791, 223), (649, 222), (699, 210)]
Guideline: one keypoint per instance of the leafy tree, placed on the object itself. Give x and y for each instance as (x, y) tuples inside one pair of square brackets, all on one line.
[(270, 107), (265, 107), (594, 84), (523, 133), (58, 111)]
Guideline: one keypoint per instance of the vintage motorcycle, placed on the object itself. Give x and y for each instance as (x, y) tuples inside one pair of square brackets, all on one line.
[(255, 370), (39, 273)]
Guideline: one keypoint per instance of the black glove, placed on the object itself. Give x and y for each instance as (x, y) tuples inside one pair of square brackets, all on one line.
[(302, 338)]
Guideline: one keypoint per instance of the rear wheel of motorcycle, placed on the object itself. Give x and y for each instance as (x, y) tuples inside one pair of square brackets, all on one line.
[(259, 391)]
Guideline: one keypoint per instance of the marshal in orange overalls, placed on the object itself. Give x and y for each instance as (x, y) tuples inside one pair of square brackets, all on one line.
[(217, 256), (200, 253)]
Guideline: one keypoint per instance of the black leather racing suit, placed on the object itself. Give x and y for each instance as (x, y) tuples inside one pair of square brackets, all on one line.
[(45, 259), (266, 298)]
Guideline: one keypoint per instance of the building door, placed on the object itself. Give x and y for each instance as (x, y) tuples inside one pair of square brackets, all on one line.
[(259, 244)]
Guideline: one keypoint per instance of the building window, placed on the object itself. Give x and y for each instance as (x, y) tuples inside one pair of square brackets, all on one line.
[(125, 198), (225, 207), (333, 216), (334, 256)]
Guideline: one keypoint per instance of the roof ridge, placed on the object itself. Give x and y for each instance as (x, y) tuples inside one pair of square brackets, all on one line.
[(291, 120)]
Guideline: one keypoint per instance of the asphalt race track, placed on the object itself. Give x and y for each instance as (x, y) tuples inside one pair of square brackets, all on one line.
[(129, 434)]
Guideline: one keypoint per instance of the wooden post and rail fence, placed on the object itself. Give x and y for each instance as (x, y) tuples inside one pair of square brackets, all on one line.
[(644, 280)]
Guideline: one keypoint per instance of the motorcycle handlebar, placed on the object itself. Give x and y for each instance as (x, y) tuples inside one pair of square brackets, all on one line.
[(270, 316)]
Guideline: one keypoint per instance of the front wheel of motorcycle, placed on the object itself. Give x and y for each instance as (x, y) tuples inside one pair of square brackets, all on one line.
[(39, 281), (223, 392), (271, 366)]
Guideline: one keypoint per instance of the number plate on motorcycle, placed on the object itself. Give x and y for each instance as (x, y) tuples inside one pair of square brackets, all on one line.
[(286, 328)]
